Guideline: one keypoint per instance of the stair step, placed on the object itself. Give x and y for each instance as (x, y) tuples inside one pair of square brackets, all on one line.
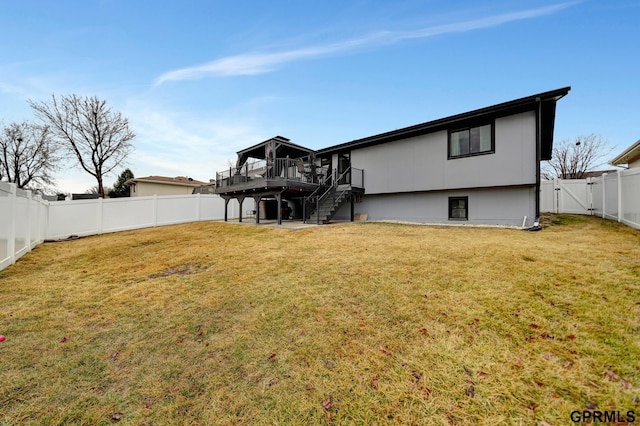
[(328, 207)]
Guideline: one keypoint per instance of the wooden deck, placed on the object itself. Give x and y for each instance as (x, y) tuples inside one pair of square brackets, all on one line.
[(243, 185)]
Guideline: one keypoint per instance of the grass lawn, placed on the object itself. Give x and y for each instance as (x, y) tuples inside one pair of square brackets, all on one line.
[(366, 323)]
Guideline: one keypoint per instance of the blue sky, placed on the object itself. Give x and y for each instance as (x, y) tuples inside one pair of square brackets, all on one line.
[(200, 80)]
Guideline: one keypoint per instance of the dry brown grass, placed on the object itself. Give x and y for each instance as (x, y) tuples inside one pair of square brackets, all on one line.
[(214, 323)]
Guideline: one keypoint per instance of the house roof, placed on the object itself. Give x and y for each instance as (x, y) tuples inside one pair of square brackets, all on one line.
[(628, 155), (547, 105), (178, 180), (597, 173), (284, 148)]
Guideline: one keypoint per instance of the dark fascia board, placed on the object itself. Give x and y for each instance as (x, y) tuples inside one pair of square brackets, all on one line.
[(259, 147), (516, 106), (259, 144)]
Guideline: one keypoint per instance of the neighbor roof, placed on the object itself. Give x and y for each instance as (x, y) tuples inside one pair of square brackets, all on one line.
[(529, 103), (628, 155), (178, 180)]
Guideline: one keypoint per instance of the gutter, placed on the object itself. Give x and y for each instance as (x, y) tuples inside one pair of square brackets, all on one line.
[(136, 181), (538, 154)]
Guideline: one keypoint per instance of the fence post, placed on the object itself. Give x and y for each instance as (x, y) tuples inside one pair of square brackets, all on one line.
[(47, 220), (619, 195), (556, 195), (604, 195), (38, 231), (28, 217), (11, 240), (100, 216), (154, 211), (43, 210), (590, 195), (198, 201)]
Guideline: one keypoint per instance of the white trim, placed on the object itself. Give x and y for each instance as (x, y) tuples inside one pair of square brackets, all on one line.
[(630, 153)]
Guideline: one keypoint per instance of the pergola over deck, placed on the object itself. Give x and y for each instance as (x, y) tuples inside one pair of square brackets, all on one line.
[(272, 168), (276, 147)]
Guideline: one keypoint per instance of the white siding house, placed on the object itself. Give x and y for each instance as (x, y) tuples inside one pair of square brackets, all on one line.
[(161, 185)]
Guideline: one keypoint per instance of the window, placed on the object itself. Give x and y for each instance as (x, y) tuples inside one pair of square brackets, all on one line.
[(458, 208), (471, 141)]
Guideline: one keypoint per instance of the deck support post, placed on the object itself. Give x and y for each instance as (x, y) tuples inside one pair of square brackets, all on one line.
[(240, 201), (279, 201), (226, 203), (353, 208)]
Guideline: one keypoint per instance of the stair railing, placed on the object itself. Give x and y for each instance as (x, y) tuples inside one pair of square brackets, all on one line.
[(330, 190), (335, 182), (336, 198), (308, 202)]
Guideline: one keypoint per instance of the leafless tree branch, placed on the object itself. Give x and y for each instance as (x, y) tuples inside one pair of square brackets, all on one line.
[(28, 156), (89, 131), (572, 159)]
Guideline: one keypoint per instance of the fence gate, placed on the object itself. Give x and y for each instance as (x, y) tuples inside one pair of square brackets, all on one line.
[(567, 196), (574, 196), (610, 196)]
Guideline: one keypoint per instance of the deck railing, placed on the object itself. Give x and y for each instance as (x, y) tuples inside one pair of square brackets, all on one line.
[(300, 170)]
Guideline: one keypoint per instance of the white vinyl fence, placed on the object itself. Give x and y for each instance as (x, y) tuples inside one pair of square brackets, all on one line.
[(27, 220), (613, 196), (23, 223), (90, 217)]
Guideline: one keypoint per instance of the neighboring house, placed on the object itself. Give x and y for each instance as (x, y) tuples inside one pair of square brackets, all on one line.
[(630, 157), (597, 173), (161, 185), (479, 167)]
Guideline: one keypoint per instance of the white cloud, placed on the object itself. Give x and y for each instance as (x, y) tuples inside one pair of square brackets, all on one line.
[(11, 88), (170, 144), (259, 63)]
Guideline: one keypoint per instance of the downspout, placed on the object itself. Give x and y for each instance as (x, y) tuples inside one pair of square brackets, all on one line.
[(538, 156)]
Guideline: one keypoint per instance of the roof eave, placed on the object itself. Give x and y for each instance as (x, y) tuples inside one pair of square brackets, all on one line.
[(630, 153), (192, 184), (280, 139)]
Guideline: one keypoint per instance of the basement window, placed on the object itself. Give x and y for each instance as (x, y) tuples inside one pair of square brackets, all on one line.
[(471, 141), (458, 208)]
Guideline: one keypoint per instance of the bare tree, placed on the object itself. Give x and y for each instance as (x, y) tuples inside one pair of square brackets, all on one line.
[(88, 130), (572, 159), (27, 155)]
